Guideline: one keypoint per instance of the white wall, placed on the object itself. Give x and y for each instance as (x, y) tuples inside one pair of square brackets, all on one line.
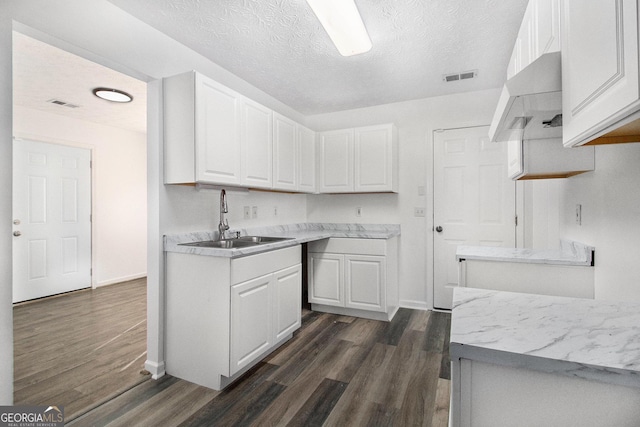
[(610, 199), (416, 121), (119, 188)]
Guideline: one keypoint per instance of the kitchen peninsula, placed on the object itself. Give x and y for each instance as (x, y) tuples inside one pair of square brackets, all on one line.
[(521, 359), (227, 308)]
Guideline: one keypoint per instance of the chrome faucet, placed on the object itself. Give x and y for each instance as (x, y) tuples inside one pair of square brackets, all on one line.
[(224, 224)]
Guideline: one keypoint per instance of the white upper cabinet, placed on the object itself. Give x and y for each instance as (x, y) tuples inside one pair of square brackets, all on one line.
[(599, 69), (285, 153), (306, 160), (257, 143), (376, 154), (201, 131), (335, 150), (359, 160), (539, 34)]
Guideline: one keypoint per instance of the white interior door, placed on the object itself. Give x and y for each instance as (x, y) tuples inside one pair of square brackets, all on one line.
[(52, 219), (474, 201)]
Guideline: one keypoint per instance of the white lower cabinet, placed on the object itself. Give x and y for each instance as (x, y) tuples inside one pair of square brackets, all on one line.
[(356, 277), (224, 315)]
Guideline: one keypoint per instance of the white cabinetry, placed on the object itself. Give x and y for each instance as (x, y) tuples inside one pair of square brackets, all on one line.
[(336, 161), (306, 160), (223, 315), (285, 153), (256, 137), (201, 131), (539, 34), (547, 158), (359, 160), (356, 277), (600, 79)]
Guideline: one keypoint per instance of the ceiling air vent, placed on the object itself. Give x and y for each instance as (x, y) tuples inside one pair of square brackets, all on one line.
[(63, 103), (460, 76)]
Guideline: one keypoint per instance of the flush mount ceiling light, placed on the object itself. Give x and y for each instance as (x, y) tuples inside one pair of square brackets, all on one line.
[(113, 95), (341, 20)]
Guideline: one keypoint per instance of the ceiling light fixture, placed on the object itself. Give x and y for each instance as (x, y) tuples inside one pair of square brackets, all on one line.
[(113, 95), (343, 23)]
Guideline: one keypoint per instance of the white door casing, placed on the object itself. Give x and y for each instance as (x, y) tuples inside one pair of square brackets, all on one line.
[(474, 201), (52, 217)]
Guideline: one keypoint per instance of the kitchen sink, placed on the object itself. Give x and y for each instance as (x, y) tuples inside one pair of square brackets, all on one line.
[(263, 239), (240, 242)]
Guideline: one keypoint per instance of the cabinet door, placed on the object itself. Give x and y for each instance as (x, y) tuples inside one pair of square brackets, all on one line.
[(374, 158), (599, 65), (285, 156), (365, 282), (251, 321), (326, 279), (306, 160), (256, 145), (336, 161), (217, 124), (287, 290), (547, 15)]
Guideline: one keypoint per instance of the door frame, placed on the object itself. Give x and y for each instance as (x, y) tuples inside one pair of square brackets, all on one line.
[(92, 153), (430, 226)]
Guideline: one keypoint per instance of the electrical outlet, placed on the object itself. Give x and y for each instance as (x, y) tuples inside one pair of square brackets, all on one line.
[(418, 212), (275, 211), (579, 214), (358, 211), (247, 212), (254, 212)]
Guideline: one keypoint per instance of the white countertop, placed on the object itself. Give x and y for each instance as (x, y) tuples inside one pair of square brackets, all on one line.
[(299, 233), (571, 253), (583, 338)]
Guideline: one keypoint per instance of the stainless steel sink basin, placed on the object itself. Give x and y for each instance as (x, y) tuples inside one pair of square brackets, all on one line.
[(263, 239), (240, 242), (223, 244)]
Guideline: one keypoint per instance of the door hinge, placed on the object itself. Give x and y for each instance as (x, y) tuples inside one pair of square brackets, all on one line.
[(516, 220)]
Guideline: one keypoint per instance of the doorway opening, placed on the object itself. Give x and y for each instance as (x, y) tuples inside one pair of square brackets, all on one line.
[(54, 104)]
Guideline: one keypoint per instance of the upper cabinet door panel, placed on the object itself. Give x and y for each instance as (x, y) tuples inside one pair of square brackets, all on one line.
[(547, 14), (306, 160), (599, 65), (217, 125), (257, 145), (284, 153), (374, 158), (336, 160)]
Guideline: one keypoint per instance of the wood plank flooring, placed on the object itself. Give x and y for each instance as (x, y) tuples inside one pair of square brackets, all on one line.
[(79, 349), (335, 371)]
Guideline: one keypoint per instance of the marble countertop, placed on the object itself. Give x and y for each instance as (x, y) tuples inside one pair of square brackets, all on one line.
[(298, 233), (570, 253), (575, 337)]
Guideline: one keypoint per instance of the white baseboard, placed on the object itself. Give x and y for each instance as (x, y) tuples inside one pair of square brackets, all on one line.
[(415, 305), (156, 369), (121, 279)]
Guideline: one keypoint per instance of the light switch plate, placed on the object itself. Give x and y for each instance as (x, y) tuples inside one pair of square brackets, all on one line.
[(247, 212)]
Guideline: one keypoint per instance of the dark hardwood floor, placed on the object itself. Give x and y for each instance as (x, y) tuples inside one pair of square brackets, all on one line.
[(80, 349), (335, 371)]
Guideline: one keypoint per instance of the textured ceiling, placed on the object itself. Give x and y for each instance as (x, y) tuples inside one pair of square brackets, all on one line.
[(280, 47), (42, 72)]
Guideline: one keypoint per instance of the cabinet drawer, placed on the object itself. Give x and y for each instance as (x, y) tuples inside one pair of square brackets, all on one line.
[(251, 266), (350, 246)]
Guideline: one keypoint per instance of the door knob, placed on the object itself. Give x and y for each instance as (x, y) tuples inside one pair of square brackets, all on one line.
[(439, 229), (17, 233)]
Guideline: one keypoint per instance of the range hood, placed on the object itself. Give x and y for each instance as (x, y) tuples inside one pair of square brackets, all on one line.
[(530, 106)]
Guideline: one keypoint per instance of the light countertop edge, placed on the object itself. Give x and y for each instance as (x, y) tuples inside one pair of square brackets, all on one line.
[(571, 253), (298, 234), (589, 339)]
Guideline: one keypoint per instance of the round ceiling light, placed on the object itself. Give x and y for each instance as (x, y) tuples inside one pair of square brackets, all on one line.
[(113, 95)]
